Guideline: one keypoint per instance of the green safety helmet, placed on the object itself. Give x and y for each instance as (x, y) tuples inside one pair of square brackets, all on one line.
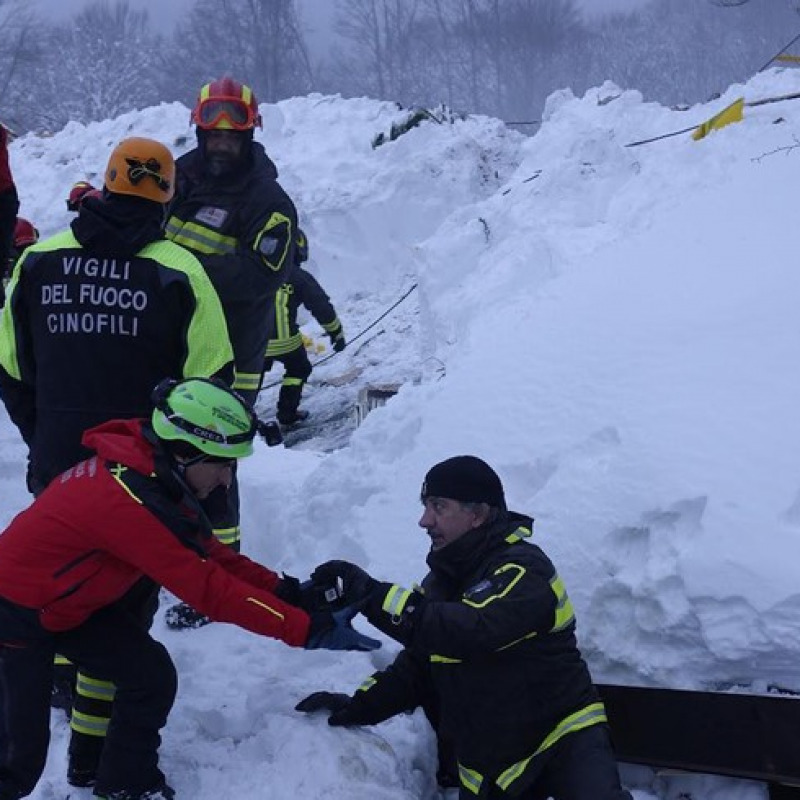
[(205, 414)]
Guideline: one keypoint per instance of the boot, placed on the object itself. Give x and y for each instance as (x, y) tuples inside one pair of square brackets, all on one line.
[(84, 758), (288, 401), (182, 616), (162, 792), (289, 418)]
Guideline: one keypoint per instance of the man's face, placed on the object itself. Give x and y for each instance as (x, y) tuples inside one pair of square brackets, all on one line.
[(223, 151), (446, 520), (205, 476)]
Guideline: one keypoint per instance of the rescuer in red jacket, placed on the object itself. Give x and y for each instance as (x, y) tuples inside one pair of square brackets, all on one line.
[(63, 567)]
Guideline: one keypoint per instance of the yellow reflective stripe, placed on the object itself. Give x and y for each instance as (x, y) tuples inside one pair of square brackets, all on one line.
[(228, 536), (61, 661), (199, 238), (247, 380), (9, 357), (470, 779), (517, 641), (247, 94), (590, 715), (367, 684), (444, 660), (265, 607), (116, 474), (276, 220), (282, 321), (519, 534), (395, 600), (506, 590), (88, 724), (292, 381), (565, 615), (332, 327), (94, 688), (279, 347), (205, 92), (208, 347)]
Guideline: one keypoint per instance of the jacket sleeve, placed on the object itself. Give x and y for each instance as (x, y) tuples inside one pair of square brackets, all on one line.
[(401, 687), (208, 584), (315, 299), (17, 372), (517, 600)]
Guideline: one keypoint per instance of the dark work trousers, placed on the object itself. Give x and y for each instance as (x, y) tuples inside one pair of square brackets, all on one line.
[(93, 695), (580, 766), (110, 643), (297, 369)]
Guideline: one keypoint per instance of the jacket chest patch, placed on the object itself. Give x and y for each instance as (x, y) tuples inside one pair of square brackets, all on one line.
[(212, 216)]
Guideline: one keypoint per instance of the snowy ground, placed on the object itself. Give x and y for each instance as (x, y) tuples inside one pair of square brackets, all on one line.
[(614, 328)]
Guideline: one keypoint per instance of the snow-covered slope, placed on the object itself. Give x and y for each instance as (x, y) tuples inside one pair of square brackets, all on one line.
[(612, 327)]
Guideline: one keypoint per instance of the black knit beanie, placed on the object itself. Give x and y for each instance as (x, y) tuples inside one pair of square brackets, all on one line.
[(464, 478)]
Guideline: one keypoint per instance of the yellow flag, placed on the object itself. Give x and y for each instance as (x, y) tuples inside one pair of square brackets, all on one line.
[(733, 113)]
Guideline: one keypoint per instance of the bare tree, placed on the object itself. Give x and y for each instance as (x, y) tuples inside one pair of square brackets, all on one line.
[(18, 56), (256, 41), (97, 66)]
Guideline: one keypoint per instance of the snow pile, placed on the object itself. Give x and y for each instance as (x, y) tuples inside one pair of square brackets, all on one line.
[(614, 328)]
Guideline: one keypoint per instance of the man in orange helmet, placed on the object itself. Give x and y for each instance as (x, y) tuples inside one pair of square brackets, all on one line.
[(230, 210), (97, 315)]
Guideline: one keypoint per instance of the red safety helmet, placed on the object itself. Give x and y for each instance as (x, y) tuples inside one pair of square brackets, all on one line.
[(24, 234), (80, 192), (226, 105)]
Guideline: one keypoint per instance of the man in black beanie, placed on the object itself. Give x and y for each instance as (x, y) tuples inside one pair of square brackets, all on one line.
[(490, 652)]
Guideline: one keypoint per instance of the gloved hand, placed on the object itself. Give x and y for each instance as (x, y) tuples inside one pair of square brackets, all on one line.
[(357, 585), (310, 596), (341, 707), (338, 342), (331, 630)]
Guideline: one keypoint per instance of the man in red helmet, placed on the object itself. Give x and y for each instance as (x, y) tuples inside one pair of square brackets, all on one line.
[(9, 205), (80, 191), (230, 210)]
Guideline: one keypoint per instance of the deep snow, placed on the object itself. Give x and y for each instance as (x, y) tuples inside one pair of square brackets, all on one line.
[(613, 328)]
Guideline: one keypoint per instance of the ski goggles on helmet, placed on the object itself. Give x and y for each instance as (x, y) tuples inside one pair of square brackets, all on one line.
[(226, 113)]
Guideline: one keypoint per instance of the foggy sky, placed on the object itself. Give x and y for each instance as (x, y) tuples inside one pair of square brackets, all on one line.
[(317, 13)]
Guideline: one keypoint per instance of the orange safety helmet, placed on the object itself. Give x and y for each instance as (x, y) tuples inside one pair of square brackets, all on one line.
[(24, 234), (141, 168), (226, 105)]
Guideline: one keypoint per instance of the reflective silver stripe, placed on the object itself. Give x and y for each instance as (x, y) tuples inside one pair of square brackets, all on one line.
[(88, 725), (228, 536), (247, 380), (199, 238), (94, 688), (565, 615), (367, 684), (279, 347), (395, 600), (590, 715), (470, 779)]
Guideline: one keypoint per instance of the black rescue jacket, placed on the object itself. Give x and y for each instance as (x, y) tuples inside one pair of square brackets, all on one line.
[(96, 317), (490, 651), (243, 230)]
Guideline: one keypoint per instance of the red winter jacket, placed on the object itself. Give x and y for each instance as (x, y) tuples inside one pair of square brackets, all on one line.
[(109, 520), (6, 181)]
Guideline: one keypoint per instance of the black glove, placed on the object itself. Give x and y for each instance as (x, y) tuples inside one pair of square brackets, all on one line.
[(338, 342), (355, 586), (310, 596), (331, 630), (341, 707)]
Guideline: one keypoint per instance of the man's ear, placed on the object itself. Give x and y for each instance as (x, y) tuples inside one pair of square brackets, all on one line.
[(481, 514)]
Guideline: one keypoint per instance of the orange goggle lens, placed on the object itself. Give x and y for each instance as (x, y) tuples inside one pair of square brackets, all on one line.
[(225, 113)]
